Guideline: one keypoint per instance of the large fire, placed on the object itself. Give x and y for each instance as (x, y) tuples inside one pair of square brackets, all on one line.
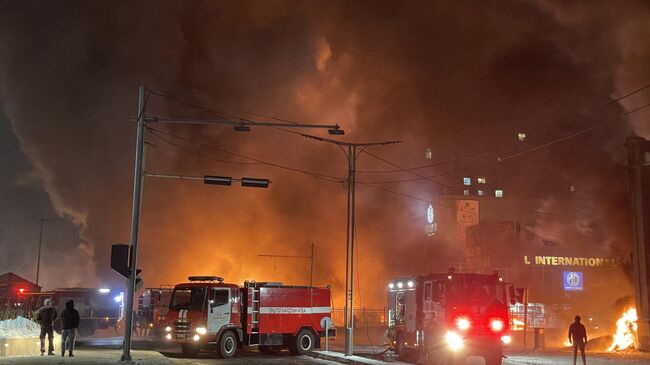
[(626, 327)]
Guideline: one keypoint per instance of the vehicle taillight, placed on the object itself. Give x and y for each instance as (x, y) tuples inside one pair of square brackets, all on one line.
[(496, 325), (463, 324)]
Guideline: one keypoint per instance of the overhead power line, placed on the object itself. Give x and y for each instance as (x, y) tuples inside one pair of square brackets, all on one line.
[(420, 176), (437, 164), (569, 136), (507, 157), (158, 132), (496, 147)]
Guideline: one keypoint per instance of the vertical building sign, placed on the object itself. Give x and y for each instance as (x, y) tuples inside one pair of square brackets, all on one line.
[(431, 228)]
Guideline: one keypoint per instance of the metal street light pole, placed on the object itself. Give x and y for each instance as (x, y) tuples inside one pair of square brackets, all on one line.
[(352, 155), (40, 245), (141, 119), (135, 225)]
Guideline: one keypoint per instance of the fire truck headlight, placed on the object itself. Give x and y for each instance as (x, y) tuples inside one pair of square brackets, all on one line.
[(391, 286), (400, 284), (463, 324), (496, 325), (409, 284), (454, 341), (196, 337), (168, 329), (201, 330), (169, 336), (506, 339)]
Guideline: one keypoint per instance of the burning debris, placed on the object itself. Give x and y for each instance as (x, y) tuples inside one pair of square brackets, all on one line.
[(625, 336)]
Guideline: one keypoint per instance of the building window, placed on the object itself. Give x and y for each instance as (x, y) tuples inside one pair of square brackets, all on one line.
[(428, 154), (466, 192), (481, 193), (467, 181), (521, 136), (481, 180), (498, 193)]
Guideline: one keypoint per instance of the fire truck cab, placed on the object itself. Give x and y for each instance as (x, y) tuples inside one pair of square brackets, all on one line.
[(442, 319), (206, 313)]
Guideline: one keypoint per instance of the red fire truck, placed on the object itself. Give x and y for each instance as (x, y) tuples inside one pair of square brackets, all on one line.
[(443, 318), (153, 305), (206, 313)]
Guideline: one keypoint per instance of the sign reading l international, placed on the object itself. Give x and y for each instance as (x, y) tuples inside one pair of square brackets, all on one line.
[(568, 261)]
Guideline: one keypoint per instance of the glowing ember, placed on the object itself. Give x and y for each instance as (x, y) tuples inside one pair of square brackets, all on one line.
[(625, 336)]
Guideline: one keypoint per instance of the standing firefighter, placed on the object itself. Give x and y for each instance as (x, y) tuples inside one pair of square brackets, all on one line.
[(578, 337), (69, 325), (45, 317)]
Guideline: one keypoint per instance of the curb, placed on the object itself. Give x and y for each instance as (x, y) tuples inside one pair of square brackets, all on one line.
[(350, 360)]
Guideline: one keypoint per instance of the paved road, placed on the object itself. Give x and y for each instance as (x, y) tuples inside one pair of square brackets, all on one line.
[(148, 357), (560, 359)]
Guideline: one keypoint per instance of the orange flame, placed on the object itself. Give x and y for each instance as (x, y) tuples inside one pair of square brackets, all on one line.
[(626, 327)]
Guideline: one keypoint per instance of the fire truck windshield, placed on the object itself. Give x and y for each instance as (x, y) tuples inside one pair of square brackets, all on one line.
[(188, 298), (476, 294)]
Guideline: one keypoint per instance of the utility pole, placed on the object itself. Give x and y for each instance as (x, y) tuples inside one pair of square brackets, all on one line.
[(141, 119), (310, 257), (135, 224), (352, 156), (638, 165), (40, 244)]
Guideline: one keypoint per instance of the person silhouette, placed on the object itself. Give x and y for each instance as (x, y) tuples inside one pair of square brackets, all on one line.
[(578, 337)]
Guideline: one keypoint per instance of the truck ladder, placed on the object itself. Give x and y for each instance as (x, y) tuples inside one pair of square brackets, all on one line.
[(255, 317)]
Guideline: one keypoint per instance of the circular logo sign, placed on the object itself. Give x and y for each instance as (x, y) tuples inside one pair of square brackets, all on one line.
[(573, 279)]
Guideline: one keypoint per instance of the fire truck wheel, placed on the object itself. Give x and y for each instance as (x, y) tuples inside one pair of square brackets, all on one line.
[(270, 350), (304, 343), (227, 345), (190, 349)]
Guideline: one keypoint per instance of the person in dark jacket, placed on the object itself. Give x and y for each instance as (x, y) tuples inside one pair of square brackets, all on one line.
[(69, 325), (578, 337), (45, 317)]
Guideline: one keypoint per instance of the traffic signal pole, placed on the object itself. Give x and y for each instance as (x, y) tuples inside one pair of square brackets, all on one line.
[(141, 119), (135, 225)]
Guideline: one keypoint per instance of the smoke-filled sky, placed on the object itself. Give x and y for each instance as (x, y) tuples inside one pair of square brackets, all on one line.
[(455, 76)]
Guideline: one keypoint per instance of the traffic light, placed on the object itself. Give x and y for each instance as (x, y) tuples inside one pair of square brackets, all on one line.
[(138, 279), (21, 291), (120, 259)]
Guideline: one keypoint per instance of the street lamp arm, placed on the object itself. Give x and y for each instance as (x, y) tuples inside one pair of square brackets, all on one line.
[(240, 123), (165, 176), (342, 143)]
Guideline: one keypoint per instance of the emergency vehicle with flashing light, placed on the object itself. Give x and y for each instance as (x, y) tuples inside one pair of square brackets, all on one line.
[(441, 319), (153, 305), (206, 313), (99, 308)]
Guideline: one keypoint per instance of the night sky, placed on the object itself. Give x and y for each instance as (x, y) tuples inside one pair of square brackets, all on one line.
[(458, 77)]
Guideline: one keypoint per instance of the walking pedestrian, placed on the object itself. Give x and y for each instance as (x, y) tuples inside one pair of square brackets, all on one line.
[(45, 318), (578, 337), (69, 324)]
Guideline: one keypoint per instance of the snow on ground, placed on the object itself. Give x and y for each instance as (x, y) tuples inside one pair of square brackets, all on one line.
[(20, 327)]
